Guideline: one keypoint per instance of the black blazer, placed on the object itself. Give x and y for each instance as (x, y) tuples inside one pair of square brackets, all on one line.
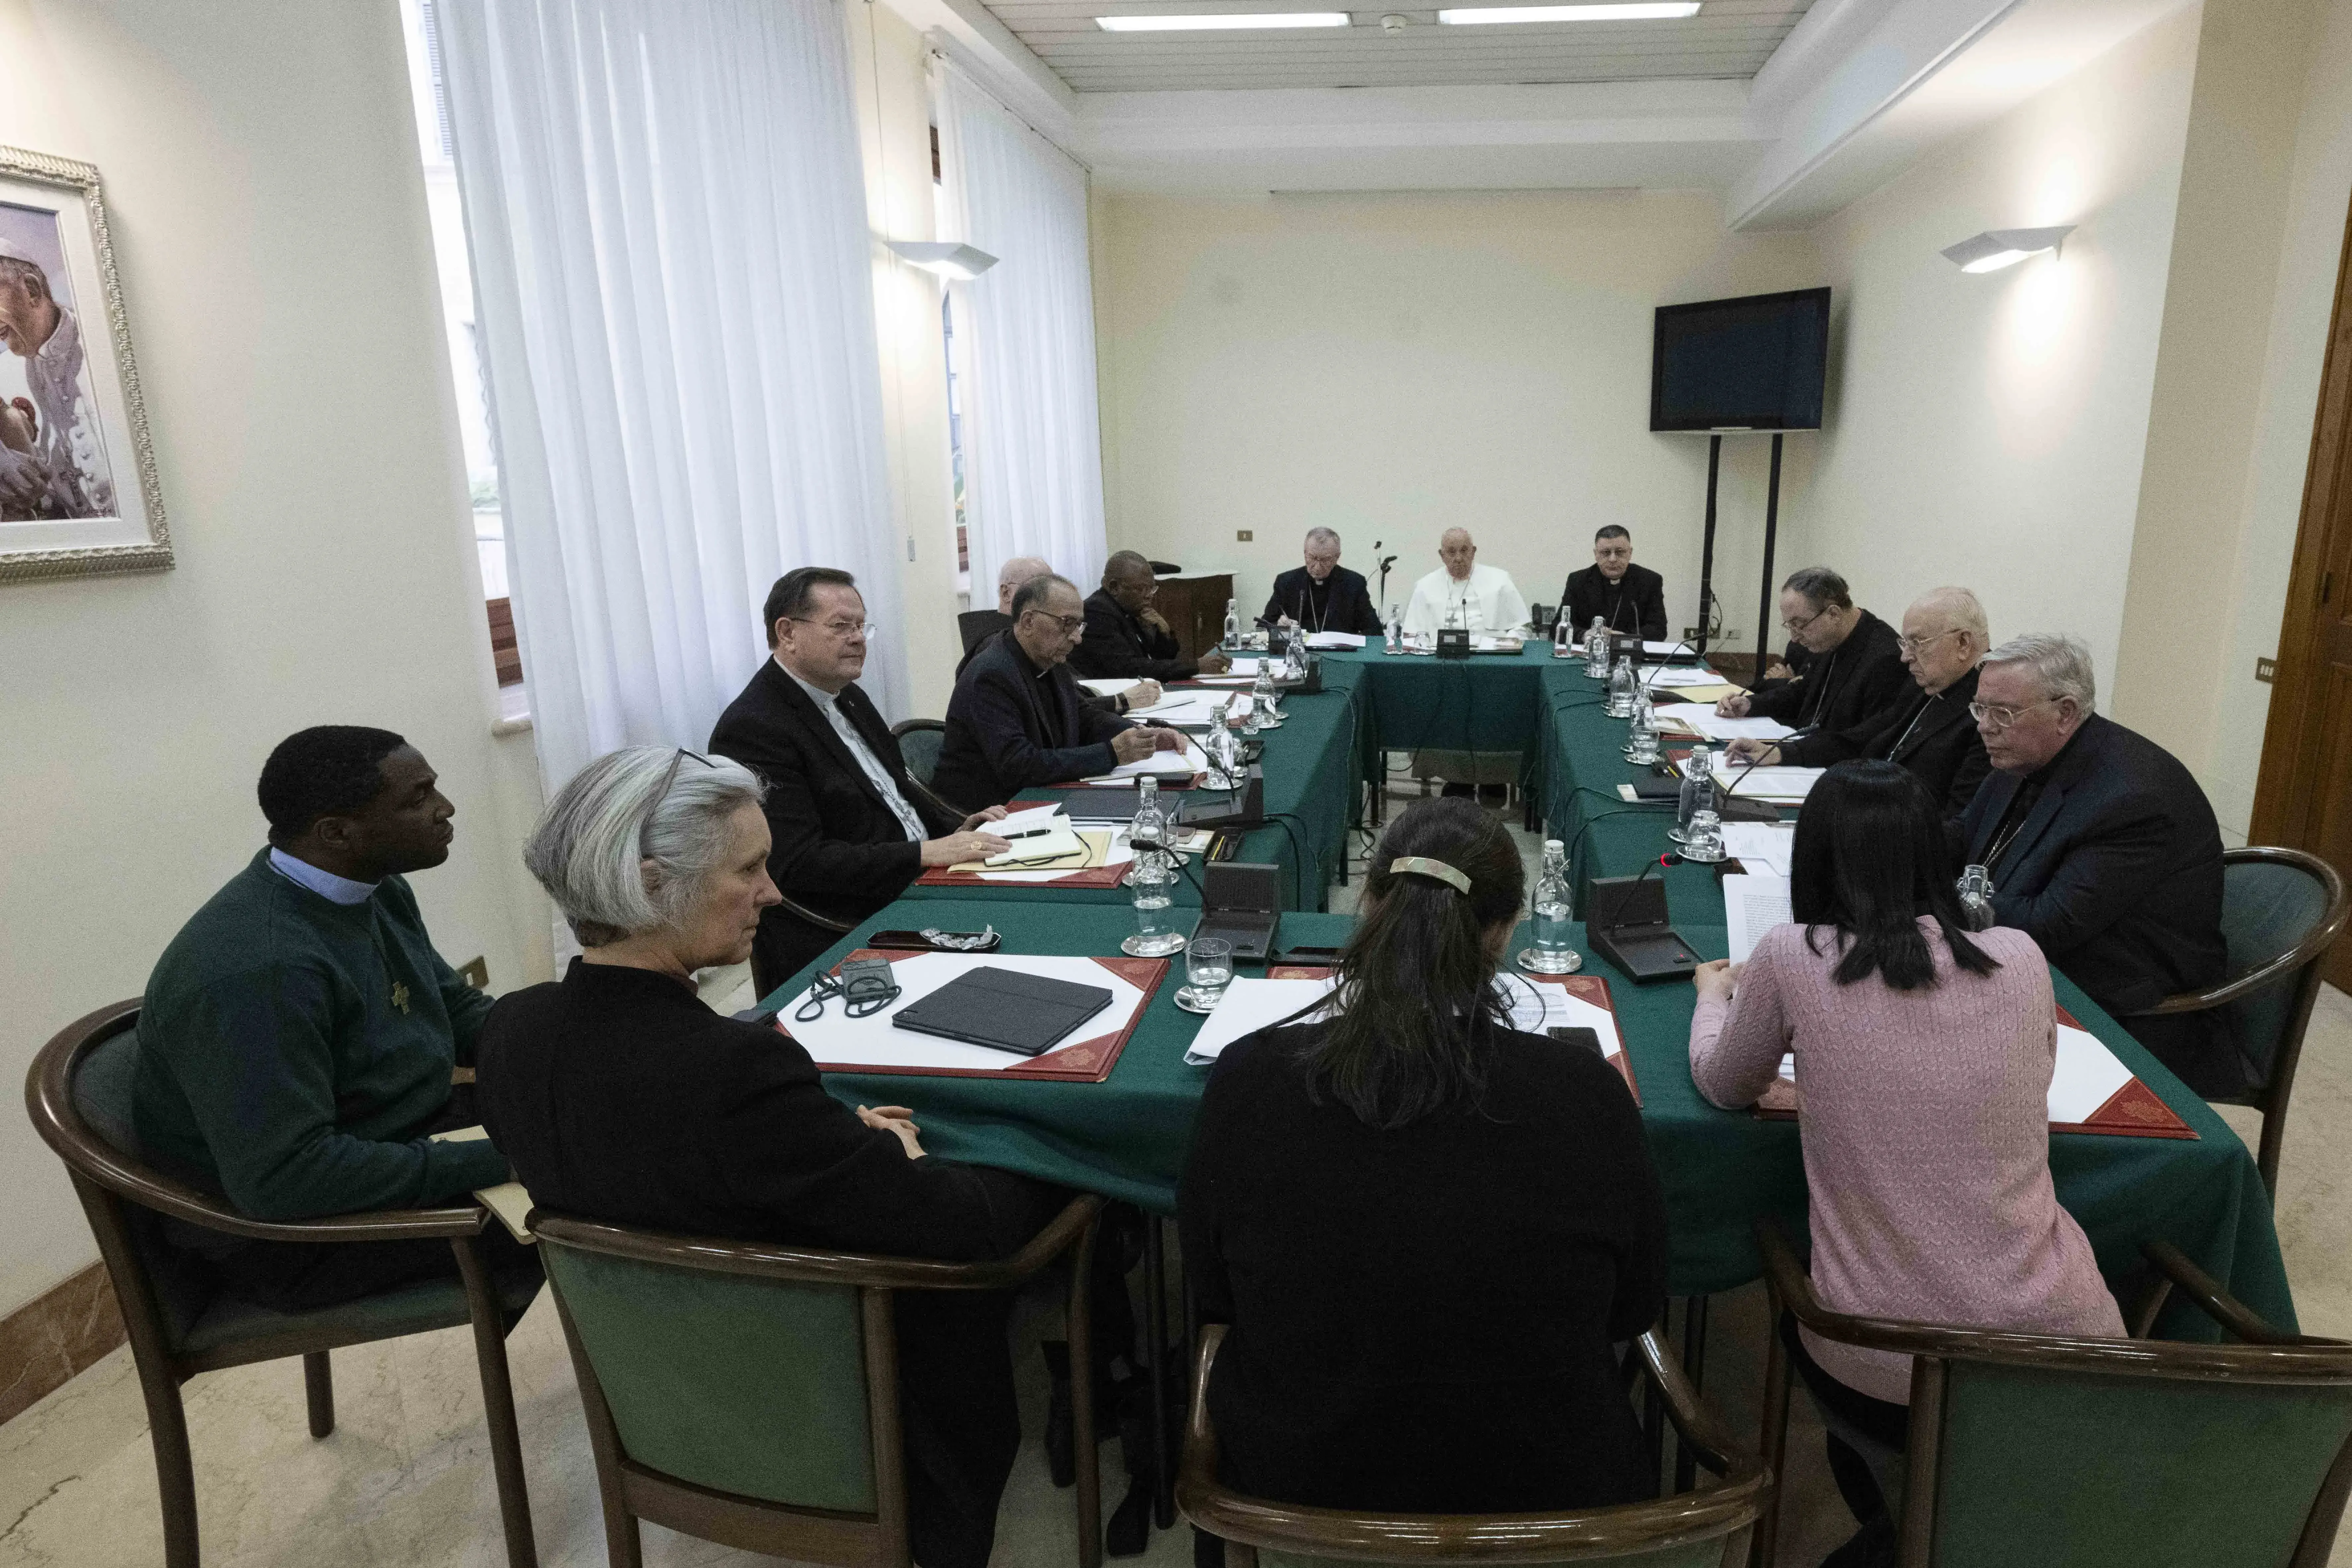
[(1347, 602), (1841, 688), (2116, 873), (1932, 736), (838, 849), (1118, 644), (1422, 1318), (618, 1095), (1637, 603), (1011, 726)]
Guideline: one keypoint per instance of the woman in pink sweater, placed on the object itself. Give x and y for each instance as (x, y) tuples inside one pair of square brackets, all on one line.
[(1922, 1062)]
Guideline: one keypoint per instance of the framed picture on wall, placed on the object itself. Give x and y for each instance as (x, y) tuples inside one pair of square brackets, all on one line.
[(78, 491)]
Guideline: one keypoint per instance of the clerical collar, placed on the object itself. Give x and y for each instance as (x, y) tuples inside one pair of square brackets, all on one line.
[(326, 884), (817, 694)]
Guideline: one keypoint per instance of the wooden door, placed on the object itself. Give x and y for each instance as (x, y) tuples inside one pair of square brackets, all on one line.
[(2303, 798), (1194, 608)]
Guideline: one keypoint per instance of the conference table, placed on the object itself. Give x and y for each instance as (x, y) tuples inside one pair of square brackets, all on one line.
[(1127, 1136)]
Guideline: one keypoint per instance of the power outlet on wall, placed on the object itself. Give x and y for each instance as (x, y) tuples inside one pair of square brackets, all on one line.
[(1244, 534), (2265, 671), (1720, 639), (475, 972)]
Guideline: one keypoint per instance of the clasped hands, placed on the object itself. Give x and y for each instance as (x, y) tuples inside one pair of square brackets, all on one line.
[(1139, 741)]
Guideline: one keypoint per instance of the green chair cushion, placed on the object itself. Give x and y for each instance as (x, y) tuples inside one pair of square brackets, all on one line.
[(2087, 1471), (751, 1386), (2266, 909)]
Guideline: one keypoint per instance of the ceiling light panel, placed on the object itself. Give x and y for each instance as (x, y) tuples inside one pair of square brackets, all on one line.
[(1640, 11), (1222, 21)]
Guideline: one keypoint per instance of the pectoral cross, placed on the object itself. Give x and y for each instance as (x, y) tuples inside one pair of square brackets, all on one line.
[(400, 994)]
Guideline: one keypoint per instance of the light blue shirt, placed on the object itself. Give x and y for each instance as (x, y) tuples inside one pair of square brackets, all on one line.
[(326, 884)]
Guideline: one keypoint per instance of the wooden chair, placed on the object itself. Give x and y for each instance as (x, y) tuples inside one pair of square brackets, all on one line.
[(2030, 1449), (748, 1393), (2281, 910), (1694, 1529), (918, 742), (78, 1093)]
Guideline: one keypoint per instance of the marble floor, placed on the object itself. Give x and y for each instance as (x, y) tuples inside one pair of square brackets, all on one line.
[(406, 1480)]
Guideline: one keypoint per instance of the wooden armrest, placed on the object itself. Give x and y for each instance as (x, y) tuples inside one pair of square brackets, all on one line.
[(764, 1261), (1706, 1436), (2217, 1303), (799, 911)]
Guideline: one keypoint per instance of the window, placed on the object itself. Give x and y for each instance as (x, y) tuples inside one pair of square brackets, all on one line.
[(448, 219)]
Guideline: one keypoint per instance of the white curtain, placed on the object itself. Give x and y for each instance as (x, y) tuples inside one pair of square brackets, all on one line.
[(667, 214), (1025, 329)]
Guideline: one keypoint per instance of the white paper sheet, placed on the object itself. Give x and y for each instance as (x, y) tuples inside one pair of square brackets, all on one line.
[(1702, 716), (1670, 676), (1329, 640), (2086, 1076), (839, 1040), (1183, 708), (1245, 669), (1162, 765), (1111, 685), (1752, 905), (1760, 844), (1248, 1006), (1785, 786)]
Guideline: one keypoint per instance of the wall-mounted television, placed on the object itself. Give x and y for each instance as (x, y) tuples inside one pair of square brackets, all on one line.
[(1756, 364)]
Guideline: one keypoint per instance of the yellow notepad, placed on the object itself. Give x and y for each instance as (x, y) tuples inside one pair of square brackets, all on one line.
[(510, 1201)]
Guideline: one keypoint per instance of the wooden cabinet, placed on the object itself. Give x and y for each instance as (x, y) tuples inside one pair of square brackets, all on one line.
[(1194, 608)]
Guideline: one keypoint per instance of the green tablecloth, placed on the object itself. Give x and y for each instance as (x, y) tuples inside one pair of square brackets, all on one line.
[(1127, 1136), (1312, 774), (1483, 703), (1583, 751)]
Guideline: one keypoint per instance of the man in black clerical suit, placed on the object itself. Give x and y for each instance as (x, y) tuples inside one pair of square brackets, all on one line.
[(2103, 850), (1852, 670), (1928, 730), (1323, 595), (1126, 638), (849, 828), (1018, 718), (1623, 597)]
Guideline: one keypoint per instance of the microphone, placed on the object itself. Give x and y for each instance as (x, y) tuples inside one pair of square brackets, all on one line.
[(1627, 925)]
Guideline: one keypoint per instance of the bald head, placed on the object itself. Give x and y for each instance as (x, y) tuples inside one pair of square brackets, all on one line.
[(1456, 549), (1011, 574), (1944, 636)]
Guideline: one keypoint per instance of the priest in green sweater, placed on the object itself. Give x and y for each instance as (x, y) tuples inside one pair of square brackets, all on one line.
[(297, 1037)]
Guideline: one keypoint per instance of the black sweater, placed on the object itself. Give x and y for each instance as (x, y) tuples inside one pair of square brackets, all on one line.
[(1932, 736), (1635, 602), (1422, 1318), (617, 1095)]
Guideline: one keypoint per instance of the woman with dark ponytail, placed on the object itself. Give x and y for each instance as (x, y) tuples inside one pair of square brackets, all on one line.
[(1922, 1062), (1425, 1229)]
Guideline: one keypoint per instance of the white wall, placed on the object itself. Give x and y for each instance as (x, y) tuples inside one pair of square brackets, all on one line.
[(1988, 429), (2319, 189), (269, 224), (1392, 365)]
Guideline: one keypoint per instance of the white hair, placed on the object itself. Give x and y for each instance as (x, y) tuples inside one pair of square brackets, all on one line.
[(1961, 611), (591, 845), (1320, 535), (2061, 666)]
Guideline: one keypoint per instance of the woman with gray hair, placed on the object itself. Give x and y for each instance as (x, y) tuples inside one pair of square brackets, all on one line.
[(618, 1095)]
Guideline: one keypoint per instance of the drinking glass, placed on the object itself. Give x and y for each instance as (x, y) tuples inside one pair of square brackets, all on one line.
[(1208, 970)]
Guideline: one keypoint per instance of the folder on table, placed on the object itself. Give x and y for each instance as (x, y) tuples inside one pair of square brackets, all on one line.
[(1004, 1009)]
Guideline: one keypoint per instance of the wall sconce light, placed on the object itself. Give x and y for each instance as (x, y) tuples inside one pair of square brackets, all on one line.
[(1998, 248), (947, 260)]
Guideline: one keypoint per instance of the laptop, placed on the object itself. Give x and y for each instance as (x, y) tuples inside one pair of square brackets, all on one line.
[(1005, 1010), (1241, 900)]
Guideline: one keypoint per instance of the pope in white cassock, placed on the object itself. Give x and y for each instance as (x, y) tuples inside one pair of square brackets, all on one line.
[(1463, 594)]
